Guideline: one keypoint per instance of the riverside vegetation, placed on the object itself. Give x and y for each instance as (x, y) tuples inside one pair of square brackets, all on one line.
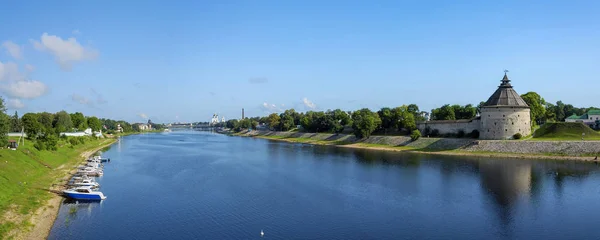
[(402, 120), (29, 174)]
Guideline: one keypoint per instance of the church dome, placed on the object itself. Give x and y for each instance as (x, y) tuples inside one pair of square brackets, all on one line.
[(505, 96)]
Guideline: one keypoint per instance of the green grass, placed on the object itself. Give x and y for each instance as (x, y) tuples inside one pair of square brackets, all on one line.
[(26, 174), (565, 132)]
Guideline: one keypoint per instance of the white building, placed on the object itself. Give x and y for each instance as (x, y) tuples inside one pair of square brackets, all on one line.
[(591, 118)]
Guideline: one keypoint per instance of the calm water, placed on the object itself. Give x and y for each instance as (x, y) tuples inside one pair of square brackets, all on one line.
[(197, 185)]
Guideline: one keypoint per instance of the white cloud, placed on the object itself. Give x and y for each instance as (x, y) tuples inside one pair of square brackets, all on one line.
[(82, 100), (143, 115), (76, 32), (13, 49), (66, 52), (308, 103), (16, 84), (29, 68), (13, 103), (271, 108)]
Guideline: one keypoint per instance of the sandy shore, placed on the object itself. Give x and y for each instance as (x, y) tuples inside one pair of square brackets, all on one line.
[(447, 152), (43, 218)]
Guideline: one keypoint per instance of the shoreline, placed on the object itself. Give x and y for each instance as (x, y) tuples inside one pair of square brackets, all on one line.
[(44, 217), (541, 156)]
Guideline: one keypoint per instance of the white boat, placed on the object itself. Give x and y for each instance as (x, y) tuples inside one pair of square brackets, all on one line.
[(90, 171), (84, 193), (85, 182)]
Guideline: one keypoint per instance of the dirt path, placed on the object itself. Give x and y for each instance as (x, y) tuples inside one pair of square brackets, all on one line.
[(43, 218)]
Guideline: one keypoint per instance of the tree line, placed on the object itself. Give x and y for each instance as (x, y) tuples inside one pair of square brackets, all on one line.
[(44, 128), (542, 111)]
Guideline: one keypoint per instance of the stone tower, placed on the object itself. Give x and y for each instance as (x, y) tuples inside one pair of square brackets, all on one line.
[(504, 114)]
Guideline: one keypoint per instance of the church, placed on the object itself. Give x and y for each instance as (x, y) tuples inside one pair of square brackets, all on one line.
[(502, 116)]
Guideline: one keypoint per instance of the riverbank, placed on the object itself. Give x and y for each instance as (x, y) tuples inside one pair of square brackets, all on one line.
[(558, 150), (30, 182)]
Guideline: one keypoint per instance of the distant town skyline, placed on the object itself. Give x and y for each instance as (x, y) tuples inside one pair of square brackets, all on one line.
[(184, 62)]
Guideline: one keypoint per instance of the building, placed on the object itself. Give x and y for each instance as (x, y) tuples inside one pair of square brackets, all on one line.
[(144, 127), (591, 118), (502, 116)]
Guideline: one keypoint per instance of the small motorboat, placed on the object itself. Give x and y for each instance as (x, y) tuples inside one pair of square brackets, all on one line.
[(84, 193), (85, 182)]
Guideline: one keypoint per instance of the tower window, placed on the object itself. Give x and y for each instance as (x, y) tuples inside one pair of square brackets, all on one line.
[(506, 130), (513, 123), (503, 115)]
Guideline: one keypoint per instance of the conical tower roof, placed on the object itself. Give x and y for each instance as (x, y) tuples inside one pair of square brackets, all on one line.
[(505, 96)]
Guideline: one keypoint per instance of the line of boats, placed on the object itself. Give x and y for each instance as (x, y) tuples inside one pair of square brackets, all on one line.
[(83, 185)]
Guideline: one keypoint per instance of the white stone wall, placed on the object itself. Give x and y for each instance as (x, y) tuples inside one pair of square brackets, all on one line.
[(445, 127), (504, 122)]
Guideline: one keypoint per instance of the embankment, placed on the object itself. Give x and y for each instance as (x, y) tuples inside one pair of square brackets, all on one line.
[(29, 181), (576, 150)]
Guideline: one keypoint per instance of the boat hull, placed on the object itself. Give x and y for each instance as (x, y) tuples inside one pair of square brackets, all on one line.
[(84, 196)]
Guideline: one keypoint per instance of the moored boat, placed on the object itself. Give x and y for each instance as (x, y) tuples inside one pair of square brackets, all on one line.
[(84, 193)]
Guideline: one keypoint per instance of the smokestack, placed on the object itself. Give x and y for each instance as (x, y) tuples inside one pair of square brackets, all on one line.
[(242, 114)]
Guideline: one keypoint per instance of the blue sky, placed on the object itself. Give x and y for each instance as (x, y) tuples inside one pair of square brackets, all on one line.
[(185, 61)]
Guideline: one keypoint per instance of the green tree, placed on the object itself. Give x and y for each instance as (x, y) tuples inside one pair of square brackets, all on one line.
[(287, 122), (560, 111), (387, 118), (536, 105), (4, 124), (364, 122), (415, 135), (79, 121), (32, 126), (62, 122), (340, 120), (46, 120), (403, 118), (94, 123), (273, 121), (446, 112), (15, 123), (232, 123), (465, 112)]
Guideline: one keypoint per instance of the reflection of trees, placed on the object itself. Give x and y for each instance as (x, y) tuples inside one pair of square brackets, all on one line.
[(369, 158)]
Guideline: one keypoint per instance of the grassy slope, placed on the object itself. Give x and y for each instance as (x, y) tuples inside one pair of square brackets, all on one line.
[(27, 172), (565, 131)]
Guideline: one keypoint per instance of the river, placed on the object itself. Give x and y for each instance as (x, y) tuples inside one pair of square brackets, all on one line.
[(200, 185)]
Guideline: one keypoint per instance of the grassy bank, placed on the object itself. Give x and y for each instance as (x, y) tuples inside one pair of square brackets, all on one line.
[(28, 175)]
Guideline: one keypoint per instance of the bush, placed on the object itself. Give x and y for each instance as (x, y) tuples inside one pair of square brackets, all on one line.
[(73, 141), (460, 134), (427, 131), (81, 140), (517, 136), (63, 137), (415, 135), (474, 134), (39, 145)]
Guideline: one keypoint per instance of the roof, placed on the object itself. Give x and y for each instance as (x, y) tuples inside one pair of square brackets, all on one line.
[(593, 112), (574, 116), (505, 95)]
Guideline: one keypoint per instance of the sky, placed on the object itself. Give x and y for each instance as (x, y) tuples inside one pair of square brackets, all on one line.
[(182, 61)]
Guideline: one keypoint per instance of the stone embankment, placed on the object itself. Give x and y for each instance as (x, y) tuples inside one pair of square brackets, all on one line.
[(564, 148), (569, 148)]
